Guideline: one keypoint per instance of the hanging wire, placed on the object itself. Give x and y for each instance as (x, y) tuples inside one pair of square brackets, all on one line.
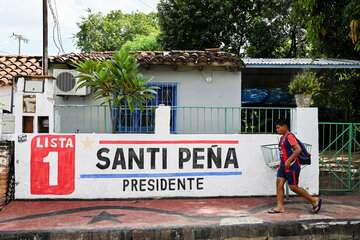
[(11, 41), (147, 5), (56, 28), (8, 53)]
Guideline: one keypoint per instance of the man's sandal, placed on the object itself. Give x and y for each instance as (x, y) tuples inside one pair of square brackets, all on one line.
[(272, 211), (317, 207)]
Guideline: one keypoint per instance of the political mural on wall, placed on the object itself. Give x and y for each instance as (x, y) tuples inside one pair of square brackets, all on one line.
[(107, 166)]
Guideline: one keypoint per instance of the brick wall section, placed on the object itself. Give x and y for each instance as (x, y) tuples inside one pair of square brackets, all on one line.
[(5, 160)]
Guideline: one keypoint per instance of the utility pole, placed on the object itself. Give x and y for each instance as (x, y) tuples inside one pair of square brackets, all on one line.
[(45, 39), (21, 38)]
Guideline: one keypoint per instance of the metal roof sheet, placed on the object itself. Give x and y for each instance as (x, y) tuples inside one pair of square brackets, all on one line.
[(300, 63)]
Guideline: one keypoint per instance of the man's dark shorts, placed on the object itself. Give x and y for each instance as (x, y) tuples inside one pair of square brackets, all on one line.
[(291, 175)]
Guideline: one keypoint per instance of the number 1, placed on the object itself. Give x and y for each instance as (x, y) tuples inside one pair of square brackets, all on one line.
[(52, 159)]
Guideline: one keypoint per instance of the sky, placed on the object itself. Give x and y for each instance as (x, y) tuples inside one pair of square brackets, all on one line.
[(24, 17)]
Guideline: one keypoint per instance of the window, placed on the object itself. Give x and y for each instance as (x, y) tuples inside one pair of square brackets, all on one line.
[(144, 122)]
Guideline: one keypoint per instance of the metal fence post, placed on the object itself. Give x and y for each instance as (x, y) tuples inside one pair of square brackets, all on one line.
[(349, 156), (225, 120)]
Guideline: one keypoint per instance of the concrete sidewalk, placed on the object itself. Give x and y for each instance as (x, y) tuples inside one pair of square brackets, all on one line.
[(210, 218)]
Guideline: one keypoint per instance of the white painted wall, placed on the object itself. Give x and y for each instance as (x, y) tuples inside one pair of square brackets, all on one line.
[(223, 91), (44, 105), (89, 181), (193, 90), (306, 128), (5, 97)]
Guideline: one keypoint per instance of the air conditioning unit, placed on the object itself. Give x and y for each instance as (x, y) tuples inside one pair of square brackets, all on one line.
[(65, 84)]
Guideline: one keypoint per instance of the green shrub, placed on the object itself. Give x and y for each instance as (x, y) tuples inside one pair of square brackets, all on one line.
[(305, 83)]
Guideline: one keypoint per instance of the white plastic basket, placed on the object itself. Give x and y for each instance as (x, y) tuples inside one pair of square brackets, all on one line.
[(271, 154)]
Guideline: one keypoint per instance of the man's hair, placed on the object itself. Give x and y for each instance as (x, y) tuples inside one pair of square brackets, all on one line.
[(283, 122)]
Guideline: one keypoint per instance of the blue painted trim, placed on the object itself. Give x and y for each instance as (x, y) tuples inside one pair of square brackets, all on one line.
[(157, 175)]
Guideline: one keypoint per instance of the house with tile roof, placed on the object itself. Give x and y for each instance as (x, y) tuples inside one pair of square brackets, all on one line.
[(198, 77), (185, 78), (259, 73), (208, 78), (12, 67)]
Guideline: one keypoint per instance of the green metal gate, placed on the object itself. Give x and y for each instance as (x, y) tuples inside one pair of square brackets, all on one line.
[(339, 156)]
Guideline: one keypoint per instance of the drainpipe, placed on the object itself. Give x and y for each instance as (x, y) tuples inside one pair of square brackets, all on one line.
[(12, 94)]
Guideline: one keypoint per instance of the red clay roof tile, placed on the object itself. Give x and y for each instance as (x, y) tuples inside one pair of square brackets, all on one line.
[(175, 57), (12, 66), (22, 59), (13, 59), (28, 71)]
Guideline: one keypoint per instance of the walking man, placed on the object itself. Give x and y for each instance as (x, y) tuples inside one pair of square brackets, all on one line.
[(289, 169)]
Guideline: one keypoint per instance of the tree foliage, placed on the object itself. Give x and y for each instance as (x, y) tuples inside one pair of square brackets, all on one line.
[(265, 41), (109, 32), (340, 93), (115, 81), (273, 28), (277, 30), (143, 43), (352, 15), (330, 25), (201, 24)]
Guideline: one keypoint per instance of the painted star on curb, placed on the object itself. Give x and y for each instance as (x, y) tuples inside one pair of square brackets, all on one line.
[(87, 142), (104, 216)]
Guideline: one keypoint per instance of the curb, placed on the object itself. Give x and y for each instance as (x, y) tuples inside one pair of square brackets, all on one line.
[(308, 229)]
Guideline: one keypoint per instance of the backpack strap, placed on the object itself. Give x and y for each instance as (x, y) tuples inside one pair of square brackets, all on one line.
[(286, 137)]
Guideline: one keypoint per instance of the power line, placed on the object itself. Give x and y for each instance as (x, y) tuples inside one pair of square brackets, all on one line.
[(7, 45), (146, 5), (8, 53), (9, 42)]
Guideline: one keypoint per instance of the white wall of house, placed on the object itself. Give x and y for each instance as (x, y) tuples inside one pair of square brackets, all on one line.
[(42, 105), (5, 97), (91, 166), (222, 90), (209, 87)]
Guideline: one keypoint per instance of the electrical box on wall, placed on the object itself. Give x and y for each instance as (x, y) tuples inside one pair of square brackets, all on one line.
[(34, 85), (65, 84)]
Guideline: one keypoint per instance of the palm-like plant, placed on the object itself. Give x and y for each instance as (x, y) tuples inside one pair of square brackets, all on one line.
[(116, 80)]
